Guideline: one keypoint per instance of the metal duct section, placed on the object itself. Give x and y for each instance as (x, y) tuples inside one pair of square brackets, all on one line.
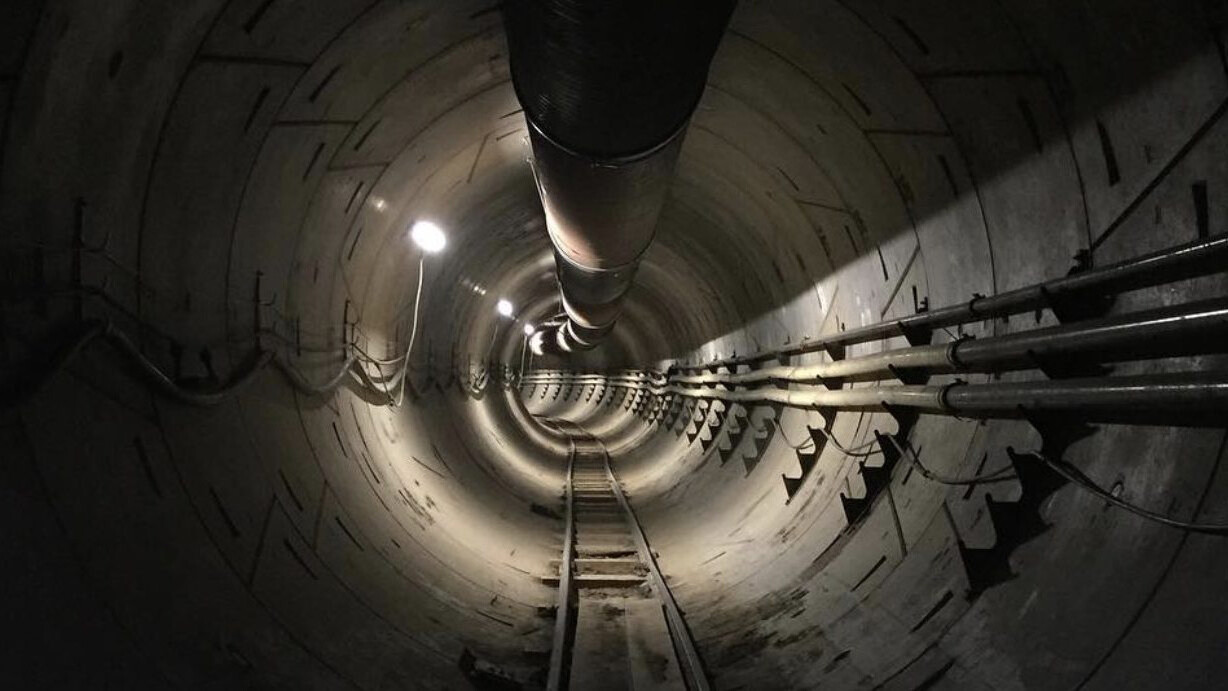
[(607, 90)]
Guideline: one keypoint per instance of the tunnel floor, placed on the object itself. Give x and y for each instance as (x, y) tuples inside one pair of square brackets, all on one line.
[(613, 633)]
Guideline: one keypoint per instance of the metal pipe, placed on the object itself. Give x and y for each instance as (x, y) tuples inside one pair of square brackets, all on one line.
[(1181, 399), (1197, 258), (1192, 329), (607, 90), (864, 398)]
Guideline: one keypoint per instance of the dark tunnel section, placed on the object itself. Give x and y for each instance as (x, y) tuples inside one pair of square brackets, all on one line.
[(254, 435)]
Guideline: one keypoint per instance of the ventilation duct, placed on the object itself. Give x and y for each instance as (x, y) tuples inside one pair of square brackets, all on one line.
[(607, 90)]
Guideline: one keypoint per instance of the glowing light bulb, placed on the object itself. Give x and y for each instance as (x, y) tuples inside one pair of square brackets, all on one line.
[(504, 307), (428, 236)]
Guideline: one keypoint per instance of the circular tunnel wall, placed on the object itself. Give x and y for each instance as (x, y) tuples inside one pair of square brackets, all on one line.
[(221, 179)]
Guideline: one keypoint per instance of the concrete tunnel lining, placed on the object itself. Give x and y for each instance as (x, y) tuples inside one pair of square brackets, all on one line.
[(847, 161)]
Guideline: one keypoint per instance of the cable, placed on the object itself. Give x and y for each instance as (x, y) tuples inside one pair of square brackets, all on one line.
[(1077, 477), (855, 451), (159, 379), (413, 330), (393, 386), (403, 375), (796, 447), (994, 476), (300, 382)]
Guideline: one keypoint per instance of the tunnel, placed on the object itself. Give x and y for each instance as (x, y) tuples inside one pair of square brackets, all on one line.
[(920, 383)]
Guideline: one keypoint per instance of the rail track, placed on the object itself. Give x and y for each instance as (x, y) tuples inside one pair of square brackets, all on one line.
[(617, 625)]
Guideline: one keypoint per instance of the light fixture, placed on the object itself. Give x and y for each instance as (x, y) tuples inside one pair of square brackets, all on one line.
[(504, 307), (528, 329), (428, 236)]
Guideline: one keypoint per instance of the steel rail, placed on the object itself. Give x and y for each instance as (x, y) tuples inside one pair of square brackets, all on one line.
[(692, 666), (562, 619)]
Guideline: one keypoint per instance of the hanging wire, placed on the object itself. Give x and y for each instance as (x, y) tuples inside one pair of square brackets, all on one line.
[(796, 447), (855, 451), (992, 476), (1076, 476), (390, 385), (149, 370)]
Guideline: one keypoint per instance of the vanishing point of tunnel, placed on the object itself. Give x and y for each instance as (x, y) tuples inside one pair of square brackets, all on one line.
[(577, 344)]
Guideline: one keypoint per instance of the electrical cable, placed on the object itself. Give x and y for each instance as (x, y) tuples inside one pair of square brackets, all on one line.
[(398, 381), (1076, 476), (413, 333), (855, 451), (161, 381), (94, 329), (413, 330), (301, 383), (796, 447), (992, 476)]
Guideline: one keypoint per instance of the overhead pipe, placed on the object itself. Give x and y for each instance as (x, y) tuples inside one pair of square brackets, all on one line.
[(1199, 258), (1186, 399), (607, 90), (1196, 328)]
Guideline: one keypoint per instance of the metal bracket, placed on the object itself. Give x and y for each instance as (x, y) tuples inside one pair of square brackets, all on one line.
[(905, 418), (917, 336), (834, 350), (1053, 369), (1068, 309), (906, 376), (1056, 434)]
